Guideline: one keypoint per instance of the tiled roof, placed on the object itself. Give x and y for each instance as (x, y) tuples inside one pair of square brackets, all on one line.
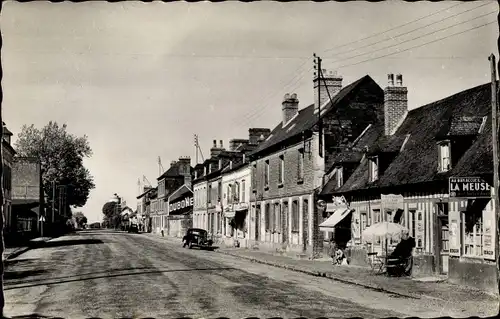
[(305, 119), (179, 193), (418, 162)]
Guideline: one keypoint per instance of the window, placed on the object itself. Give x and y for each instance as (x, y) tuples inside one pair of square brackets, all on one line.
[(254, 177), (472, 230), (364, 220), (300, 165), (373, 166), (236, 192), (266, 174), (209, 194), (277, 217), (243, 190), (444, 157), (340, 177), (295, 216), (267, 215), (281, 169), (377, 219), (219, 192), (229, 197)]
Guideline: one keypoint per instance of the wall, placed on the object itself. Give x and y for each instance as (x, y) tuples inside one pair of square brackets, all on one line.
[(200, 205)]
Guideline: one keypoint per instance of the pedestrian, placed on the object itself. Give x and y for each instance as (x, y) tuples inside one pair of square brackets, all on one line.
[(162, 232), (333, 250)]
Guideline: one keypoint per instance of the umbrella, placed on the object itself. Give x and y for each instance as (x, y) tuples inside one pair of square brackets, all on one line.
[(383, 229)]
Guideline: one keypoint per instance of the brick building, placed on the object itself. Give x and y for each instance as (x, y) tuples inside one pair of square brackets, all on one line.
[(28, 200), (412, 160), (289, 165)]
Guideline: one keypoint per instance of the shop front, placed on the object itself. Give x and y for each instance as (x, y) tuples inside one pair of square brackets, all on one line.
[(471, 234)]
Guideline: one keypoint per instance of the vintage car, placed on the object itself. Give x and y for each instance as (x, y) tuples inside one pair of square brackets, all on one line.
[(196, 237)]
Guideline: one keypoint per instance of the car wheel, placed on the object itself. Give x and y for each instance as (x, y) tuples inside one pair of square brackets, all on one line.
[(190, 245)]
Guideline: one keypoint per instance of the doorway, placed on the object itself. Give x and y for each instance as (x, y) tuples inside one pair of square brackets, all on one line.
[(257, 223), (443, 238)]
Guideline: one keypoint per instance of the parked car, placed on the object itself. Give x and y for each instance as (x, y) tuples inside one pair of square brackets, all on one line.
[(133, 228), (196, 237)]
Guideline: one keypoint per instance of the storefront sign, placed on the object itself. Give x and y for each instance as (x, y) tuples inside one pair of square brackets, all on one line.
[(183, 203), (392, 202), (454, 233), (469, 187)]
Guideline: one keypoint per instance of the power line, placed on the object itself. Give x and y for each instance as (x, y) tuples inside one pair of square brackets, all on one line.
[(263, 106), (397, 27), (417, 29), (409, 40), (417, 46)]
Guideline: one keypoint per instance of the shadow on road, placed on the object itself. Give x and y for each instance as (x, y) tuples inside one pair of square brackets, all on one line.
[(75, 278), (68, 242), (9, 275)]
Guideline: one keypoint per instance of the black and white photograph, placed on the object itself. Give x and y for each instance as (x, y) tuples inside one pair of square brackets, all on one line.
[(250, 159)]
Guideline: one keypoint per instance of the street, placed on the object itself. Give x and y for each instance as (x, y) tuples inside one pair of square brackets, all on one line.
[(112, 274)]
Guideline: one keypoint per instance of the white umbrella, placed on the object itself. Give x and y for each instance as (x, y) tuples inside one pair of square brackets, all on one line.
[(383, 229)]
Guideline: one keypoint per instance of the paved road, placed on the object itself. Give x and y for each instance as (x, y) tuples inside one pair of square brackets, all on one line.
[(113, 274)]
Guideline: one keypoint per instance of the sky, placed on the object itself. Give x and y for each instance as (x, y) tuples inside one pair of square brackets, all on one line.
[(140, 79)]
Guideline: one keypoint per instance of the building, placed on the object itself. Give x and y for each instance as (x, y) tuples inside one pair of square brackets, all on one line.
[(208, 188), (432, 173), (180, 211), (289, 165), (8, 159), (179, 173), (144, 200), (28, 200)]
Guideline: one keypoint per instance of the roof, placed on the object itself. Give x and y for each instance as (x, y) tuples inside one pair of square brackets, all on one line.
[(306, 118), (418, 161), (180, 193), (458, 126), (143, 194), (387, 144), (173, 171)]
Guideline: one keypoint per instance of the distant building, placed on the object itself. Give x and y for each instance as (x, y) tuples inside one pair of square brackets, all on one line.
[(28, 200), (8, 159)]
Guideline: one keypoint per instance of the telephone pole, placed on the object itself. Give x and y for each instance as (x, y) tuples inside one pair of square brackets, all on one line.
[(318, 73), (494, 129)]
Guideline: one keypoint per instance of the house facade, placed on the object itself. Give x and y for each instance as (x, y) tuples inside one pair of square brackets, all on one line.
[(430, 172), (289, 165), (28, 200), (180, 211), (8, 159)]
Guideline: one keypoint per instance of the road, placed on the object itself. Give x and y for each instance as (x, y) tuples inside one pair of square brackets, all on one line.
[(110, 274)]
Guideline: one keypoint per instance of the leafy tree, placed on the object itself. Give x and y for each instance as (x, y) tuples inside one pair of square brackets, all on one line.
[(80, 219), (112, 216), (61, 155)]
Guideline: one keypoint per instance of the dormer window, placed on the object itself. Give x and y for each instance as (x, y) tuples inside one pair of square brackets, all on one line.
[(373, 167), (444, 163), (340, 177)]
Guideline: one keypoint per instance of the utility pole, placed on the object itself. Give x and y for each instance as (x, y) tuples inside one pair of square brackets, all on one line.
[(317, 66), (494, 129), (196, 147)]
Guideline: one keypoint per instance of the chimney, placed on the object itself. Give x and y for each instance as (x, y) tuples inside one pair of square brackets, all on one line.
[(289, 107), (244, 158), (395, 104), (215, 151), (195, 174), (333, 86), (172, 163), (221, 145), (220, 163), (185, 169), (236, 142), (255, 134)]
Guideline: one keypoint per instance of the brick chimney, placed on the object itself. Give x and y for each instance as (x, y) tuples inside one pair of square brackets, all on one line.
[(185, 169), (215, 151), (257, 135), (333, 85), (395, 104), (289, 107)]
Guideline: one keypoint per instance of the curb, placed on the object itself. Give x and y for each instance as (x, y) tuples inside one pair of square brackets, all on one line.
[(326, 275)]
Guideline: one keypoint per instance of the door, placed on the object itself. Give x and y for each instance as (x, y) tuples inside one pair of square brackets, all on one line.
[(257, 223), (444, 245), (284, 224)]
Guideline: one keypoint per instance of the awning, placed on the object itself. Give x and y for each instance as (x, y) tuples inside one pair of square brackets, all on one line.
[(336, 218)]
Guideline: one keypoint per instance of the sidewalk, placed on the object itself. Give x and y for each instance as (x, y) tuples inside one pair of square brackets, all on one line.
[(361, 276), (13, 252)]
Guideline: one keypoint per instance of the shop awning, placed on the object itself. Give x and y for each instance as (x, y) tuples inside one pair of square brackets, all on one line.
[(336, 218)]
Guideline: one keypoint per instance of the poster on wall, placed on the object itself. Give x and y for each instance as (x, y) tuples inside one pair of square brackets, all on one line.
[(355, 227), (488, 233), (454, 233)]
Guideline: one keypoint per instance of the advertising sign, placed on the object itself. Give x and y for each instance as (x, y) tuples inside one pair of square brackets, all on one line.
[(181, 204), (488, 233), (454, 233), (469, 187), (392, 202)]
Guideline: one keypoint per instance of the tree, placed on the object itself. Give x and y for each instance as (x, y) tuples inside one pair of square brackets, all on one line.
[(2, 244), (112, 216), (80, 219), (61, 155)]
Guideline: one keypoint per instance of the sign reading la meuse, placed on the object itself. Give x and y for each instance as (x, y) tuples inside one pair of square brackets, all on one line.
[(469, 187), (183, 203)]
